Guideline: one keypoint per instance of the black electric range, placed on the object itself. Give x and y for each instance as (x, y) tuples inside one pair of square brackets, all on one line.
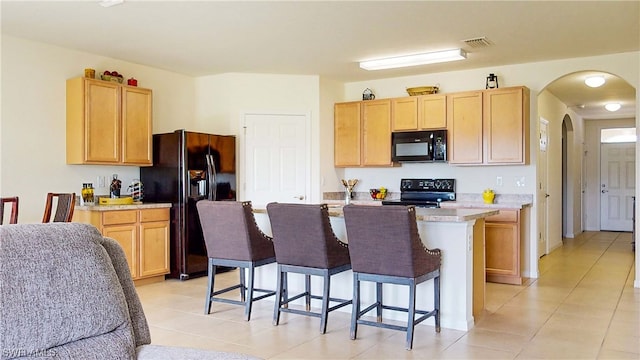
[(427, 193)]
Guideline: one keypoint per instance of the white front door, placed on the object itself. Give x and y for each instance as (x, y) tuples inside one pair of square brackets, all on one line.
[(617, 185), (277, 158), (542, 194)]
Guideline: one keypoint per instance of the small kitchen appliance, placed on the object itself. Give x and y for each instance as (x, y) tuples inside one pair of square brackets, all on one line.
[(419, 146), (428, 193)]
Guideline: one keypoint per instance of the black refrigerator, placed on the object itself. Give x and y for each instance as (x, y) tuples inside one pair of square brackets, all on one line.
[(188, 167)]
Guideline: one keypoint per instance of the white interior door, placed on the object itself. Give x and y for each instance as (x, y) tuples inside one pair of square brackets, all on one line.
[(617, 185), (277, 165), (542, 192)]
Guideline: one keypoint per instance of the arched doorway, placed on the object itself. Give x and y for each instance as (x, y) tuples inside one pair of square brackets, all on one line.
[(568, 104)]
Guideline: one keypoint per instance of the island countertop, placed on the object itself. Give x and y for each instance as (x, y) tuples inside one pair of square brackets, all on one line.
[(424, 214)]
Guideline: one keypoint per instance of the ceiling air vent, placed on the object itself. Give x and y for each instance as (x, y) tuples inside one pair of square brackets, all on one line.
[(478, 42)]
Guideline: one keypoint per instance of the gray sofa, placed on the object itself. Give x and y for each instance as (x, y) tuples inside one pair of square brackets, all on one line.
[(66, 293)]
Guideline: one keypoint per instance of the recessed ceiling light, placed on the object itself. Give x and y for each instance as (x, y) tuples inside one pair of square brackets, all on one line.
[(612, 106), (413, 60), (594, 81)]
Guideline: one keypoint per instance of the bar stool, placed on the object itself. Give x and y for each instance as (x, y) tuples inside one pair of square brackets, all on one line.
[(385, 247), (305, 244), (233, 239)]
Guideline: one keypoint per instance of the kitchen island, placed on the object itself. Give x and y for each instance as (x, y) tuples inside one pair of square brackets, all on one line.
[(459, 233)]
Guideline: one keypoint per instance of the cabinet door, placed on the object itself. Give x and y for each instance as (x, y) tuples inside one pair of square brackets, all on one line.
[(154, 246), (102, 122), (502, 250), (136, 126), (126, 236), (464, 112), (347, 134), (404, 115), (376, 133), (432, 112), (504, 125)]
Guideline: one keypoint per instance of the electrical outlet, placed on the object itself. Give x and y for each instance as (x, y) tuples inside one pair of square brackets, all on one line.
[(498, 180), (520, 181), (101, 181)]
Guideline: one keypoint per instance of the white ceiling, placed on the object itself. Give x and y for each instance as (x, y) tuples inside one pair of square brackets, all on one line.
[(328, 38)]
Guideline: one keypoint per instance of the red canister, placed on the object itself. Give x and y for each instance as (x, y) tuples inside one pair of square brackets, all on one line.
[(132, 82)]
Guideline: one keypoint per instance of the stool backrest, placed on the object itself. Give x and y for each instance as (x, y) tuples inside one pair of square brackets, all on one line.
[(302, 235), (64, 207), (384, 240), (13, 218), (230, 231)]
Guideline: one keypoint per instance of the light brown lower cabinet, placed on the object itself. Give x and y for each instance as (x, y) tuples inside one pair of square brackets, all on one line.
[(502, 247), (143, 235)]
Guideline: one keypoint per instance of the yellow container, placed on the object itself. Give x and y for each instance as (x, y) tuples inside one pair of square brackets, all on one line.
[(488, 196), (127, 200)]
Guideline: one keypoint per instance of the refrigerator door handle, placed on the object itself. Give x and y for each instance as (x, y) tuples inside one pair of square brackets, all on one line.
[(211, 177)]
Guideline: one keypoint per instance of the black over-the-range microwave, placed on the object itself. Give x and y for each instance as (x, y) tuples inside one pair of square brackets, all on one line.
[(419, 146)]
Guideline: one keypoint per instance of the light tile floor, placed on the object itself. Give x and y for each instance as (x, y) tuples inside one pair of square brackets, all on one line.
[(583, 306)]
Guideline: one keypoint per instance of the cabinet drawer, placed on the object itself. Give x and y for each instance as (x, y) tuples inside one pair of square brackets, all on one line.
[(119, 217), (504, 216), (154, 215)]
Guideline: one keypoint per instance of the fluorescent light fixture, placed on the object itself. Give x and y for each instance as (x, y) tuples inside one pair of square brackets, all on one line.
[(110, 3), (594, 81), (612, 106), (413, 60)]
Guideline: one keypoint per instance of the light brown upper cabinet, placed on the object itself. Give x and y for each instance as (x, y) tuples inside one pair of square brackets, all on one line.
[(108, 123), (464, 112), (506, 125), (404, 113), (347, 129), (432, 112), (362, 133), (425, 112), (489, 127)]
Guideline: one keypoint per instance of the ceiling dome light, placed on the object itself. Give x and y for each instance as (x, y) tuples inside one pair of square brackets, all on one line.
[(612, 106), (594, 81)]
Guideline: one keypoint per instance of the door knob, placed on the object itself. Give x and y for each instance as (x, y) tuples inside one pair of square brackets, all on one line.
[(299, 197), (546, 195), (604, 191)]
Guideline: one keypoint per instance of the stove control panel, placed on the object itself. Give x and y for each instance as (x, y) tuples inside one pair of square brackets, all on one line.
[(433, 185)]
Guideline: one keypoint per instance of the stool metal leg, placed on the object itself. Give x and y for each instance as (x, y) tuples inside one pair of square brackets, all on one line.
[(355, 309), (285, 292), (436, 300), (325, 303), (242, 284), (411, 314), (249, 298), (210, 280), (307, 289), (279, 296), (379, 300)]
